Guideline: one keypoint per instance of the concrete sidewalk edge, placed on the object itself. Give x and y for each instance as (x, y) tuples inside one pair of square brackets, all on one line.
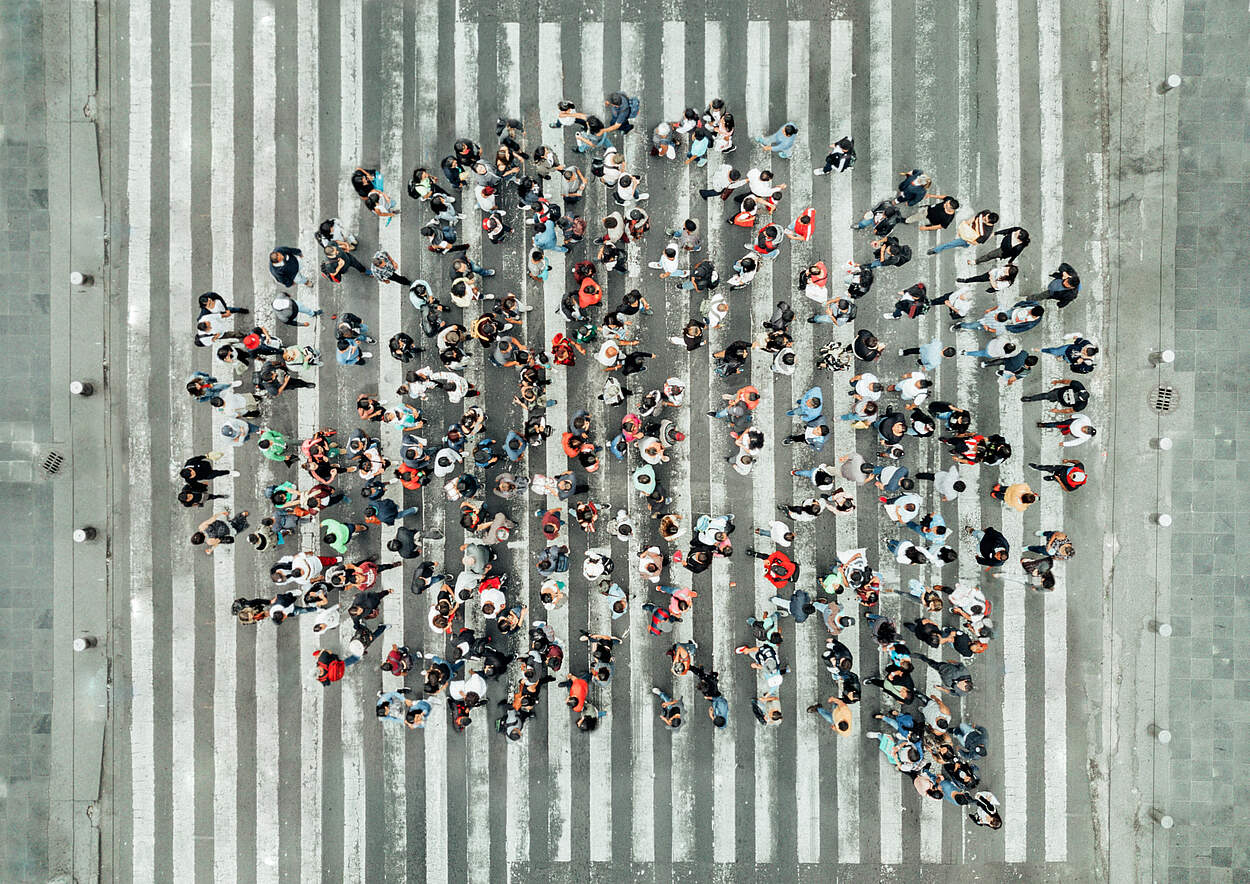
[(81, 699)]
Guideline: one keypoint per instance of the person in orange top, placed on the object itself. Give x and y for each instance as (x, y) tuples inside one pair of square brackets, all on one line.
[(739, 405), (589, 293), (411, 479), (839, 717), (779, 568), (578, 689), (803, 226)]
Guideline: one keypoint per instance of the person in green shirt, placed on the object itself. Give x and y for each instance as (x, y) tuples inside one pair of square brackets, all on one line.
[(337, 535), (273, 445)]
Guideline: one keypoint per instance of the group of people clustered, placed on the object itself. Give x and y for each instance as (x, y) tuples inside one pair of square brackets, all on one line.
[(917, 731)]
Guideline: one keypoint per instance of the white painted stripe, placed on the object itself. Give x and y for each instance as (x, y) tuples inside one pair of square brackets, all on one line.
[(517, 840), (598, 608), (765, 501), (807, 662), (929, 325), (850, 750), (181, 706), (559, 747), (390, 376), (476, 749), (680, 308), (264, 152), (139, 455), (969, 503), (433, 503), (353, 699), (308, 417), (225, 721), (1055, 756), (1015, 758), (724, 661)]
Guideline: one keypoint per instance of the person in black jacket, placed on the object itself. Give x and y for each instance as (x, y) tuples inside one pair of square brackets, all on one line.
[(284, 264), (993, 547), (1011, 242)]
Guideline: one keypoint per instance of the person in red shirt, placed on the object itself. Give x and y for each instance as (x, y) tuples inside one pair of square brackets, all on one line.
[(398, 661), (578, 689), (779, 568), (662, 619)]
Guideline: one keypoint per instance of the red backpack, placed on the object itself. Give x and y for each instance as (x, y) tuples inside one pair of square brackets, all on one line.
[(330, 671)]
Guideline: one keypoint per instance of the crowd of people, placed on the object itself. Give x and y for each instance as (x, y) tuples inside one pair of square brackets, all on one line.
[(521, 193)]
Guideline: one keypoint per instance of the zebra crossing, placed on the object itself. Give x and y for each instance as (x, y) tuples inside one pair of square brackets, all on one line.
[(243, 121)]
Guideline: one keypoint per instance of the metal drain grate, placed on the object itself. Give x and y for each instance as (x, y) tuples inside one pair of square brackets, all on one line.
[(52, 463), (1164, 399)]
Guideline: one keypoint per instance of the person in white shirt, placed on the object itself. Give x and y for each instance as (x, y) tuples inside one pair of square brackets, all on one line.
[(613, 229), (471, 688), (779, 532), (668, 263), (996, 348), (237, 405), (866, 387), (613, 167), (1077, 430), (486, 198), (913, 387), (724, 181), (627, 190), (784, 362), (327, 618), (946, 482), (903, 508), (760, 184), (959, 302), (745, 269)]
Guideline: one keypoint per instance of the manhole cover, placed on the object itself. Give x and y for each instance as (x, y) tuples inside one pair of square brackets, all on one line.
[(1164, 399), (52, 463)]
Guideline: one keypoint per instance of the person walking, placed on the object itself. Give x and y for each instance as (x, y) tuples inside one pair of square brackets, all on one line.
[(1077, 430), (284, 265), (1068, 475), (970, 232)]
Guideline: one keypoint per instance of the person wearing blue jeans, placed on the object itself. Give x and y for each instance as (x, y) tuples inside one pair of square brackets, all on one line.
[(477, 268), (780, 142), (903, 723), (983, 353), (213, 388), (670, 709), (956, 243), (913, 188), (390, 706)]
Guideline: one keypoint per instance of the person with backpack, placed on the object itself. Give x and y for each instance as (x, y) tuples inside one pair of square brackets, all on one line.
[(622, 109), (331, 667), (842, 156)]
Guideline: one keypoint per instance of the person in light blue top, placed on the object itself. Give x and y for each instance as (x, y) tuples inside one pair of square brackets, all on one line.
[(809, 407), (545, 239), (780, 142), (931, 354), (391, 706)]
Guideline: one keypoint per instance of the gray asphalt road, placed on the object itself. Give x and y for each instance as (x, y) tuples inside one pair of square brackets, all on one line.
[(235, 126)]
